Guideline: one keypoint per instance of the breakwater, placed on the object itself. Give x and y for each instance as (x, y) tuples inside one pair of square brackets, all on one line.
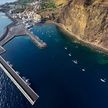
[(19, 82)]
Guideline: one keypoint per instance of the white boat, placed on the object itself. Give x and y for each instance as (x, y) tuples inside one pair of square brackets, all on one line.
[(17, 72), (83, 70), (75, 61), (8, 62), (11, 65), (70, 54), (65, 48), (103, 80), (26, 80)]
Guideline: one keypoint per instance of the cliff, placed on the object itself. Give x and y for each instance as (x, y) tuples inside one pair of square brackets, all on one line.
[(87, 20), (60, 2)]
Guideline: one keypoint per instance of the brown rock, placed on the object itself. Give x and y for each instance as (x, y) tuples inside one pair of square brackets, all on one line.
[(88, 20)]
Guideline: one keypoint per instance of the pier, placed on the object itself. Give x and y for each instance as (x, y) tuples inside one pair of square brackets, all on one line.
[(36, 40), (25, 89), (19, 29)]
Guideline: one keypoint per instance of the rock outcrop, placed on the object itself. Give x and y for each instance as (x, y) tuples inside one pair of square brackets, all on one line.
[(60, 2), (88, 20)]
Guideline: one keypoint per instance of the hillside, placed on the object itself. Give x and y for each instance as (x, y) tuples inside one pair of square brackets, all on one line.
[(59, 2), (87, 20)]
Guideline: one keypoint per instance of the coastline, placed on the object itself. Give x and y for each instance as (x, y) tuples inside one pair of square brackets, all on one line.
[(7, 27), (62, 29), (92, 46)]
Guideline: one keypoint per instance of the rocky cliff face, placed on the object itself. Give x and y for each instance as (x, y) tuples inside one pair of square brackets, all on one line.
[(88, 20), (60, 2)]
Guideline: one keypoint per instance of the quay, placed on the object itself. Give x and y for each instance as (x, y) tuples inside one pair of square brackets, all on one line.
[(18, 29), (25, 89), (36, 40)]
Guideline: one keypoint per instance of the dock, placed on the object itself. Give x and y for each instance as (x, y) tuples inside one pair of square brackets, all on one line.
[(36, 40), (20, 30), (25, 89)]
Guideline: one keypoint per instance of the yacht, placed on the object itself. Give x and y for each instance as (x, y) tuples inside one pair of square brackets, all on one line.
[(65, 48), (26, 80), (70, 54), (83, 70), (11, 65), (75, 61), (17, 72), (103, 80)]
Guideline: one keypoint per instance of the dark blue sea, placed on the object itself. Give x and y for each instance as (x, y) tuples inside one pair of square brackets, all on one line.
[(66, 74)]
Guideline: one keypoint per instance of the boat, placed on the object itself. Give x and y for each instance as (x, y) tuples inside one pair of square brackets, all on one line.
[(75, 61), (8, 62), (26, 80), (65, 48), (11, 65), (70, 54), (17, 72), (83, 70), (103, 80), (23, 78)]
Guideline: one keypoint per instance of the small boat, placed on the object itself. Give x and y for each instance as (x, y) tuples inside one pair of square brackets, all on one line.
[(24, 78), (11, 65), (103, 80), (17, 72), (70, 54), (83, 70), (8, 62), (75, 61), (27, 81), (65, 48)]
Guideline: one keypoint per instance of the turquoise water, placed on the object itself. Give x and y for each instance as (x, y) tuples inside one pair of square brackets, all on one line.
[(4, 21), (5, 1), (59, 82)]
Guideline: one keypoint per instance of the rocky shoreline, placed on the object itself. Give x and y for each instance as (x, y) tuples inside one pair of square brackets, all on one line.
[(79, 40), (70, 35), (86, 21)]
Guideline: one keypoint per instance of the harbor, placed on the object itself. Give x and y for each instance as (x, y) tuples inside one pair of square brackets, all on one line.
[(19, 29)]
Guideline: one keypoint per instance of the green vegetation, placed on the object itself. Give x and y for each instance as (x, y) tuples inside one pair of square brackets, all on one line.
[(48, 5)]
